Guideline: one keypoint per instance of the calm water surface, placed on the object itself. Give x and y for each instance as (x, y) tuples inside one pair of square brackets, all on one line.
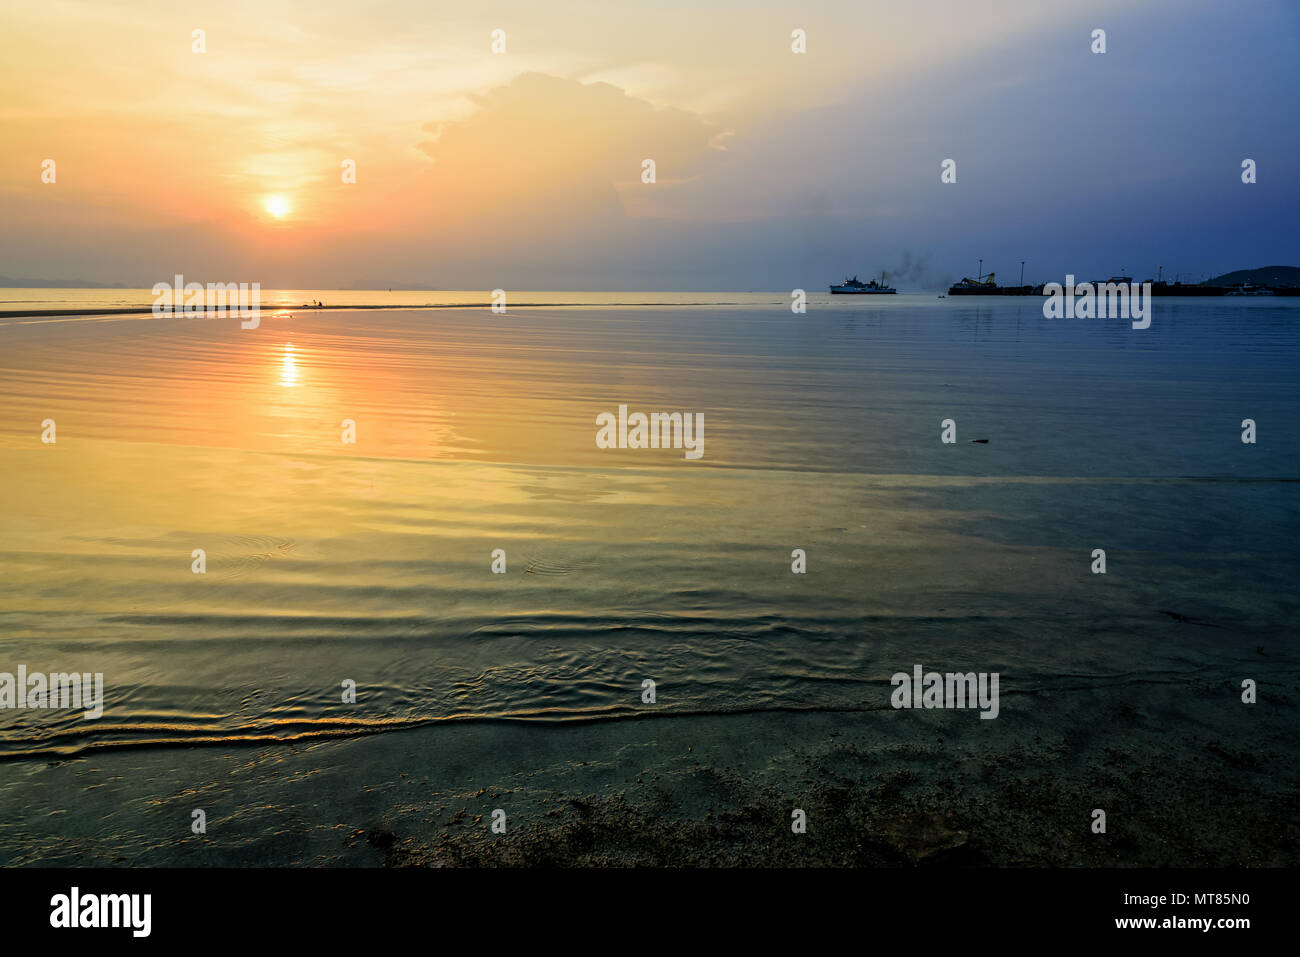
[(371, 561)]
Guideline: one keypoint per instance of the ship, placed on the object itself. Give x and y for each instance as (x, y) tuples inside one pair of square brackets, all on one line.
[(855, 287), (986, 286), (1161, 288), (1158, 286), (1250, 289)]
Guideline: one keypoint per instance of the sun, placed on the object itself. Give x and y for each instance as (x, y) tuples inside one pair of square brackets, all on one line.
[(277, 206)]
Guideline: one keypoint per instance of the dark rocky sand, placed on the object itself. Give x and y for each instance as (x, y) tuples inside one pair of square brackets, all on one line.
[(1187, 774)]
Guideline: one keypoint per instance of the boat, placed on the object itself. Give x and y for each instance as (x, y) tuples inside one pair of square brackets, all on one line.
[(1161, 288), (986, 286), (855, 287), (1250, 289)]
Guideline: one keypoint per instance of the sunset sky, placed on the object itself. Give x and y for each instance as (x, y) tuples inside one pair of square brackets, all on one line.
[(522, 169)]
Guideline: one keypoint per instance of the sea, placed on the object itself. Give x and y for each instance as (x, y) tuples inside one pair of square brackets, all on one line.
[(288, 547)]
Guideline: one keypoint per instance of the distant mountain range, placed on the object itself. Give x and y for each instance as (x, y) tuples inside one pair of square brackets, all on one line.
[(1264, 276)]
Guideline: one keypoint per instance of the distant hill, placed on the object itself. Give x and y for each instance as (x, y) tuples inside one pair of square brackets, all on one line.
[(1264, 276)]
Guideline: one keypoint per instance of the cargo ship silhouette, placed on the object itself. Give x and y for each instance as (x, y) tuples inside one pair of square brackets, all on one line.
[(855, 287), (987, 285)]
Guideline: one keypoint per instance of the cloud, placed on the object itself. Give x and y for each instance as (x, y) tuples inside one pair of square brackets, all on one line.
[(543, 149)]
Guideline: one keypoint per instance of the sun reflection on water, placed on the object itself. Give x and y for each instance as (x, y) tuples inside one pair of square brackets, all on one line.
[(289, 368)]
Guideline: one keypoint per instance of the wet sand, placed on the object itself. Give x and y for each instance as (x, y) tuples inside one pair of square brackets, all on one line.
[(714, 791)]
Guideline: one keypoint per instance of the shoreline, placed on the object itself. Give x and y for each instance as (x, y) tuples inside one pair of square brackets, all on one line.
[(235, 314), (889, 790)]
